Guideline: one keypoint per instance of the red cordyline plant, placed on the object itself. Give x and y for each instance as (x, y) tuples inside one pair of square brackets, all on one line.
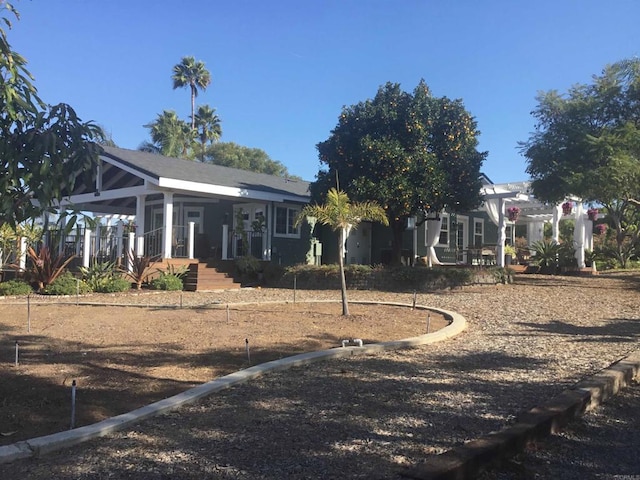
[(592, 213), (44, 267)]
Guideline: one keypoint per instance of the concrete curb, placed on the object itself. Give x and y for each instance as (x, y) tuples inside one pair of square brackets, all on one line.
[(470, 459), (42, 445)]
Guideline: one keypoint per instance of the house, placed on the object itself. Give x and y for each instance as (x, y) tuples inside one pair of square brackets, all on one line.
[(173, 208), (187, 209)]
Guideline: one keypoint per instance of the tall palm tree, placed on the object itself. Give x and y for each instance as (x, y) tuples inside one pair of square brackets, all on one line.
[(207, 126), (171, 135), (341, 215), (191, 73)]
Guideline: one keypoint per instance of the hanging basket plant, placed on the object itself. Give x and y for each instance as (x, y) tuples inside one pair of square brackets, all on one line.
[(592, 213), (513, 213), (601, 228), (567, 208)]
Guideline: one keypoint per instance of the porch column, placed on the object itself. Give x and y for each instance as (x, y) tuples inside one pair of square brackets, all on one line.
[(191, 239), (588, 235), (269, 230), (119, 240), (557, 209), (167, 234), (502, 232), (86, 247), (22, 261), (140, 222), (225, 241), (578, 235)]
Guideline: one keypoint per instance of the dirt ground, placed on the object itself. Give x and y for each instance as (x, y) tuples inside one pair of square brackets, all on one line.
[(124, 357)]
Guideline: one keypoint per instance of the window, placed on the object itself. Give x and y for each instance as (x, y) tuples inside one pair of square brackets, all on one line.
[(285, 219), (478, 232), (443, 239), (444, 231)]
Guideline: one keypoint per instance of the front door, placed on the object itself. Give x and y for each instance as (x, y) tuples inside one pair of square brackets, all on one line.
[(462, 239)]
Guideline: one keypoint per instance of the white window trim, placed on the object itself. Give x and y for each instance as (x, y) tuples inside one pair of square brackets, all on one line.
[(291, 210), (477, 221)]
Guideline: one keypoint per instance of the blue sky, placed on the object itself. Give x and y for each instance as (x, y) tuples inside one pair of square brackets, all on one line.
[(283, 70)]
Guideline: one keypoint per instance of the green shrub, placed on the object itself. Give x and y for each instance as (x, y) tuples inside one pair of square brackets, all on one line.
[(15, 287), (66, 284), (248, 266), (114, 284), (273, 273), (167, 281)]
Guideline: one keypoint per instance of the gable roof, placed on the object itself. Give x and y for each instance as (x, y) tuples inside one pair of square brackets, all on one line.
[(165, 171)]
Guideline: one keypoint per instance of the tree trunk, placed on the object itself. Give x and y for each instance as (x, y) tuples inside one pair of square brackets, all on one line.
[(343, 281), (193, 107)]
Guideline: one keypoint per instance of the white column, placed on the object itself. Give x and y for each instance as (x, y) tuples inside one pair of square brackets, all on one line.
[(555, 223), (415, 242), (119, 239), (86, 247), (140, 222), (22, 262), (140, 208), (269, 230), (191, 239), (502, 232), (578, 235), (167, 234), (225, 241), (588, 235)]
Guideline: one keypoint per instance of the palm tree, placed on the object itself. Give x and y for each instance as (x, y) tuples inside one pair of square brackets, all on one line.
[(342, 215), (207, 126), (171, 135), (192, 74)]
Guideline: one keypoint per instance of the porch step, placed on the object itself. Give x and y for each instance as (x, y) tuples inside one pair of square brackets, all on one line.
[(202, 277)]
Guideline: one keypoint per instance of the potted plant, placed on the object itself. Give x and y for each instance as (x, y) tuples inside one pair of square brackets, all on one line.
[(567, 207), (592, 213), (601, 228), (509, 254), (513, 213)]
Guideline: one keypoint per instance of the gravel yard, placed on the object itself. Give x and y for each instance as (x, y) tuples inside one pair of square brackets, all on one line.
[(368, 417)]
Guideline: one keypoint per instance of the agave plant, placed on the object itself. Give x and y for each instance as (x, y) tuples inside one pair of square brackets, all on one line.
[(546, 253), (99, 274)]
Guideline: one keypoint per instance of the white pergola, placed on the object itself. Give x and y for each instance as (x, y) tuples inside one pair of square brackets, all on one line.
[(533, 213)]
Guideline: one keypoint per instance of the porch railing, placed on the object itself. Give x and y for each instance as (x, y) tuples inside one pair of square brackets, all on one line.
[(246, 243)]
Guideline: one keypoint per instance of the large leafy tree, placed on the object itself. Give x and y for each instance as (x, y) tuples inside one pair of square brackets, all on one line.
[(230, 154), (587, 144), (43, 149), (208, 128), (341, 216), (412, 153), (192, 74), (170, 136)]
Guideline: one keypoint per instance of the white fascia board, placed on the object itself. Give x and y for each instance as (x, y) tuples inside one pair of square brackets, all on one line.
[(211, 189), (106, 195), (128, 169), (506, 195)]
